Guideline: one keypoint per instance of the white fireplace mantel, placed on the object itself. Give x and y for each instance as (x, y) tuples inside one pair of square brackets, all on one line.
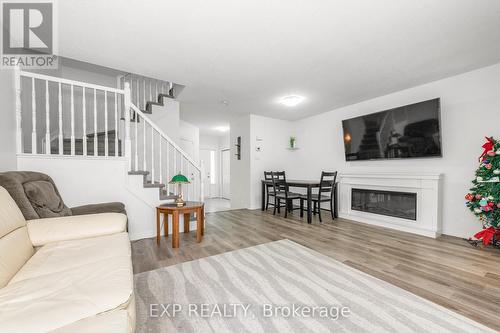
[(427, 187)]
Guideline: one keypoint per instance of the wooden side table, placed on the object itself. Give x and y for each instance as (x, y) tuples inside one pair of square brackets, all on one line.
[(189, 208)]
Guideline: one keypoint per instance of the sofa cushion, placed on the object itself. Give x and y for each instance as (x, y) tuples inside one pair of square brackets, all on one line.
[(45, 199), (15, 245), (11, 217), (107, 207), (61, 256), (45, 231), (110, 322), (14, 182), (51, 301), (15, 251)]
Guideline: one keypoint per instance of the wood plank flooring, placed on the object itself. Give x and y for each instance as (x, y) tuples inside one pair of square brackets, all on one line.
[(447, 271)]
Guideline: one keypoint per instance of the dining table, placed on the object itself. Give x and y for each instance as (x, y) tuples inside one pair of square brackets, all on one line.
[(309, 185)]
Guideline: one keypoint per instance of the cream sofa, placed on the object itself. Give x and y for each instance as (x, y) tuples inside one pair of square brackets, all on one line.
[(65, 274)]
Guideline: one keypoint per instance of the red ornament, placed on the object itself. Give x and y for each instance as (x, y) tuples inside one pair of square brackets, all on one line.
[(478, 196), (487, 147), (488, 166), (469, 197), (491, 204), (491, 153), (498, 205)]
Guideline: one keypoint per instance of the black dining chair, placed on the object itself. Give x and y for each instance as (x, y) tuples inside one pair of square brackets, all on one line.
[(327, 185), (281, 192), (268, 177)]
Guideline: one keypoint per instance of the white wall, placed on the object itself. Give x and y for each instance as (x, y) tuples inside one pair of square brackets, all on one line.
[(272, 137), (8, 160), (470, 108), (189, 139), (167, 118), (240, 169), (224, 141)]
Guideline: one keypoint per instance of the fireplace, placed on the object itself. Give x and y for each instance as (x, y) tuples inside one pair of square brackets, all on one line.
[(389, 203), (404, 201)]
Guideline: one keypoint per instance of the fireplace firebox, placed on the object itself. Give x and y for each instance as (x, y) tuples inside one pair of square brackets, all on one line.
[(397, 204)]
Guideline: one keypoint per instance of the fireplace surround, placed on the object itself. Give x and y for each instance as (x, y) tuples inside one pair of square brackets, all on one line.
[(405, 201)]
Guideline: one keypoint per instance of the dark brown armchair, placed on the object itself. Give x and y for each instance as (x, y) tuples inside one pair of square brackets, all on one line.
[(37, 196)]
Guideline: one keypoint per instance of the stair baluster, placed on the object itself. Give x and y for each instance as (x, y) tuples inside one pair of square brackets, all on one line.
[(47, 119), (116, 124), (144, 94), (128, 143), (168, 167), (33, 121), (152, 155), (106, 144), (61, 138), (84, 123), (95, 123), (136, 139), (144, 164), (160, 169), (19, 129)]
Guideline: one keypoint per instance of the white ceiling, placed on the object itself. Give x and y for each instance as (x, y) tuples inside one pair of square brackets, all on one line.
[(252, 52)]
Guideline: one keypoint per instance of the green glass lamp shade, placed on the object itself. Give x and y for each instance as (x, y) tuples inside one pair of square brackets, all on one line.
[(179, 178)]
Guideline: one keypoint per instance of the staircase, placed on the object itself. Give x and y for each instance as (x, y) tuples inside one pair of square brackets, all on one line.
[(106, 123)]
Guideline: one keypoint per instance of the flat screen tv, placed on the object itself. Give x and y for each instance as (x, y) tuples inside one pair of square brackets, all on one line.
[(411, 131)]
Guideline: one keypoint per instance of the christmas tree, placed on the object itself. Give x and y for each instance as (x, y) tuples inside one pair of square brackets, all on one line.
[(484, 197)]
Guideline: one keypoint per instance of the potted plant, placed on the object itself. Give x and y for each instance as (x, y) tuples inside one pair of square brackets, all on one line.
[(292, 142)]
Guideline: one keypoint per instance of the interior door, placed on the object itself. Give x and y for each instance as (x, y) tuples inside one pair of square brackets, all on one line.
[(225, 173), (207, 158)]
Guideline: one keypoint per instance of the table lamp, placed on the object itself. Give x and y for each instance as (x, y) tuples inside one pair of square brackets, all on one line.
[(179, 179)]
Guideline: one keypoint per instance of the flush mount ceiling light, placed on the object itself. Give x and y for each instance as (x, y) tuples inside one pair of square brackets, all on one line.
[(292, 100), (222, 128)]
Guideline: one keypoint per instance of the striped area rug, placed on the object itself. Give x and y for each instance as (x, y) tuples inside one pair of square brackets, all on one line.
[(282, 287)]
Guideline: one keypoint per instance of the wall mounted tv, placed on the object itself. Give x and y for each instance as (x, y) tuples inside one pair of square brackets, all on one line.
[(411, 131)]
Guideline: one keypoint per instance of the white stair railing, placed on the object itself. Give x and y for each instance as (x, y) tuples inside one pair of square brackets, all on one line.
[(92, 112), (56, 116)]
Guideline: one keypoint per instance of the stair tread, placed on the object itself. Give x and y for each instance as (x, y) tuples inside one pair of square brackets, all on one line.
[(153, 185), (138, 172)]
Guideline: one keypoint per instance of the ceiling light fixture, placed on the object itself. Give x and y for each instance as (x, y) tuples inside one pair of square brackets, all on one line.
[(292, 100)]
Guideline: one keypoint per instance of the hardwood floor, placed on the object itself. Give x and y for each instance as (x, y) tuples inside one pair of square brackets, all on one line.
[(447, 271)]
